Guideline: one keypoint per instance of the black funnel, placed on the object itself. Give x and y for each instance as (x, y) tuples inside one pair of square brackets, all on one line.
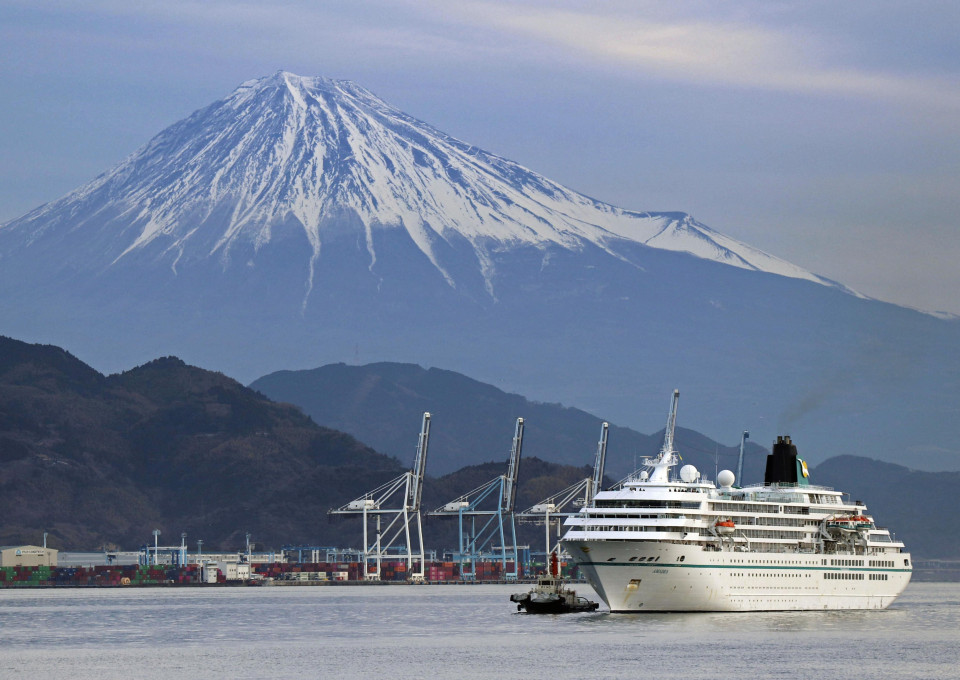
[(782, 463)]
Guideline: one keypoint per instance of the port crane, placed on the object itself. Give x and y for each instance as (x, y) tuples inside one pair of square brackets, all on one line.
[(743, 440), (577, 495), (379, 508), (493, 523)]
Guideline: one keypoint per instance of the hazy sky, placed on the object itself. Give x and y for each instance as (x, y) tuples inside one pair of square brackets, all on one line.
[(825, 133)]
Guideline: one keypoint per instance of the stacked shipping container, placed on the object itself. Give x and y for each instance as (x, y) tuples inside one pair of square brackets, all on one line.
[(138, 575)]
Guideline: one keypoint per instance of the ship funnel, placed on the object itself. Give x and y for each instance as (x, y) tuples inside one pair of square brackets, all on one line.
[(782, 463)]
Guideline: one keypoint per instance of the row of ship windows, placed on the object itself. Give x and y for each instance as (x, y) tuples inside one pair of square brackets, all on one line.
[(750, 533), (878, 577), (660, 530), (806, 499), (824, 499), (783, 522), (753, 521), (758, 533), (845, 576), (744, 507), (764, 574), (765, 498), (759, 521), (774, 522), (600, 515), (707, 533), (716, 506), (646, 504), (771, 561), (752, 508), (862, 563)]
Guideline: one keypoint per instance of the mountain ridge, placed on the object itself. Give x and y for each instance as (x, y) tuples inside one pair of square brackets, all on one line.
[(379, 402)]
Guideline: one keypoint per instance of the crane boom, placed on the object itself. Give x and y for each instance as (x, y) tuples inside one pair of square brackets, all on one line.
[(743, 441), (671, 425), (510, 482), (598, 464), (415, 490)]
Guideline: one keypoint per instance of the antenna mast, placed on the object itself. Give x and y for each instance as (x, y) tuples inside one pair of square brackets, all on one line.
[(668, 455)]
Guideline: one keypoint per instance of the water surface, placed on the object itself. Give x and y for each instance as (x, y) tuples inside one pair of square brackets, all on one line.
[(460, 632)]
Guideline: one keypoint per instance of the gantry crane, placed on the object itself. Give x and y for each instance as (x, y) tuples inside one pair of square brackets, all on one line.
[(493, 523), (576, 495), (375, 507)]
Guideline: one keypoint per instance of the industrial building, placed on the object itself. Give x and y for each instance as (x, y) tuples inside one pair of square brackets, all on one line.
[(27, 556)]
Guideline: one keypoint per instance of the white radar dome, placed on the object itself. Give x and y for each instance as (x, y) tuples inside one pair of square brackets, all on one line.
[(726, 478), (689, 474), (644, 476)]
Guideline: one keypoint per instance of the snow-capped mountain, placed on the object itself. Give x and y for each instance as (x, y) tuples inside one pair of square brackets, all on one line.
[(315, 149), (303, 221)]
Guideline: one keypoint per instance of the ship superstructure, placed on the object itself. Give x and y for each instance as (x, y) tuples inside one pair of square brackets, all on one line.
[(661, 542)]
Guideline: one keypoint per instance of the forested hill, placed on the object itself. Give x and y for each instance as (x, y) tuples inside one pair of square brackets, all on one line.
[(97, 460), (104, 460)]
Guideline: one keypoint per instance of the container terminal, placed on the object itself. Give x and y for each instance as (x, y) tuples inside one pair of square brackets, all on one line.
[(392, 537), (292, 566)]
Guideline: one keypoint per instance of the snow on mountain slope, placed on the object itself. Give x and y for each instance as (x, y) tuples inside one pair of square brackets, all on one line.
[(315, 149)]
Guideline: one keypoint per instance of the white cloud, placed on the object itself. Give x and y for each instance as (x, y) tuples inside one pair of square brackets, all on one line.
[(716, 52)]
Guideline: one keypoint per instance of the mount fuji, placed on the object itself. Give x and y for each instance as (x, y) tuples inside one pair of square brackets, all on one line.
[(302, 221)]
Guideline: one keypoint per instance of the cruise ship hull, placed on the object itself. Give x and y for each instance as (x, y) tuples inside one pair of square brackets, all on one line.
[(650, 576)]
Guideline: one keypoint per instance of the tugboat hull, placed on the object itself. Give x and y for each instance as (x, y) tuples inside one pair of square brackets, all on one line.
[(550, 597)]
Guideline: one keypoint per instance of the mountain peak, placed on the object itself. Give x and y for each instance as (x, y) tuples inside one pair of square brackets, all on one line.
[(301, 88), (325, 156)]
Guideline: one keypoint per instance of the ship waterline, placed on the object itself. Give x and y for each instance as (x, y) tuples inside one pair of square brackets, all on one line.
[(689, 578)]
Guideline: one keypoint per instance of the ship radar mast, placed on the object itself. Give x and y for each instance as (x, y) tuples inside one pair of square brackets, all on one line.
[(668, 455)]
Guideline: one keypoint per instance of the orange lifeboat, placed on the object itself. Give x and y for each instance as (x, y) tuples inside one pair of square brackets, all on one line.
[(850, 523), (725, 526)]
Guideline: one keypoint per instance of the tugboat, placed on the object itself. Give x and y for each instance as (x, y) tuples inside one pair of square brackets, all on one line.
[(551, 597)]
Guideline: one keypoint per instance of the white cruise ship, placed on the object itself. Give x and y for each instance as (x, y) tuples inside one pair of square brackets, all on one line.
[(656, 542)]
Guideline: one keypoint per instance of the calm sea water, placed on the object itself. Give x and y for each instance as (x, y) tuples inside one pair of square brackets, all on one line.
[(460, 632)]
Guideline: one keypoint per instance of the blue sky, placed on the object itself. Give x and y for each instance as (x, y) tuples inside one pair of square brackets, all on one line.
[(825, 133)]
